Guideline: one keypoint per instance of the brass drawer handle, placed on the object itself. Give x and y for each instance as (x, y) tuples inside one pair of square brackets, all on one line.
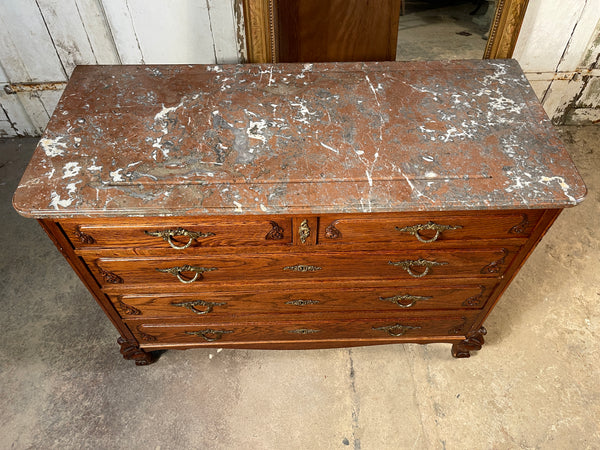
[(209, 334), (192, 306), (304, 331), (409, 264), (396, 329), (400, 300), (167, 235), (176, 271), (415, 229)]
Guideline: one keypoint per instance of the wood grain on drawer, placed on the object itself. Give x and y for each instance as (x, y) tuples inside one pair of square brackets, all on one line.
[(427, 228), (178, 234), (197, 270), (240, 304), (160, 332)]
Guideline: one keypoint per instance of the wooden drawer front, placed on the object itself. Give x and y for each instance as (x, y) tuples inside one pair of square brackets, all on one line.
[(181, 332), (207, 306), (197, 270), (175, 235), (428, 228)]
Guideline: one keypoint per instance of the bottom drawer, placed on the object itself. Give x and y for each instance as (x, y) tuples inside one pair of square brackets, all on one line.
[(160, 333)]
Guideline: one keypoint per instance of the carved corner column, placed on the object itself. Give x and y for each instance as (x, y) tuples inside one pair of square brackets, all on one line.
[(473, 342)]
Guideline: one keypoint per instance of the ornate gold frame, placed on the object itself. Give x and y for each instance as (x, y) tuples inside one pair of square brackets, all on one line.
[(262, 35), (505, 29)]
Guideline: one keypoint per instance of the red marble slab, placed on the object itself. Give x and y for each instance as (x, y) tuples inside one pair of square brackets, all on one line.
[(297, 138)]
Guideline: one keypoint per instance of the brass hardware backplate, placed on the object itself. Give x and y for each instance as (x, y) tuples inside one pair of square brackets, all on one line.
[(303, 331), (209, 334), (303, 268), (301, 302), (396, 329)]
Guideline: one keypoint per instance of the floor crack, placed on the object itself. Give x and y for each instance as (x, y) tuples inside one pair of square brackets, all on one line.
[(416, 397), (355, 403)]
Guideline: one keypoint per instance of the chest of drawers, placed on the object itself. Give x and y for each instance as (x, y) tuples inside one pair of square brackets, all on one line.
[(298, 206)]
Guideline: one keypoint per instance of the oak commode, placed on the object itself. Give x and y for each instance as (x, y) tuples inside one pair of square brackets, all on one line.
[(298, 206)]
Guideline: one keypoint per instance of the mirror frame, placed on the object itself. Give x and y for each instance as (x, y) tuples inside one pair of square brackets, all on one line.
[(262, 36)]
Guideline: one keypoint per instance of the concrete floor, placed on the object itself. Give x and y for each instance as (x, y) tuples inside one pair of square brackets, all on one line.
[(443, 32), (535, 384)]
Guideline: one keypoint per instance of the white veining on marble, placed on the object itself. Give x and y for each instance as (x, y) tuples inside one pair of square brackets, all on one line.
[(53, 147), (329, 148), (255, 130), (71, 169), (161, 117), (117, 176), (561, 182), (304, 113), (370, 139), (55, 201)]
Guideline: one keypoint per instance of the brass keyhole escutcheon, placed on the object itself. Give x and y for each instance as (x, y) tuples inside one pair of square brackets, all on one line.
[(304, 231)]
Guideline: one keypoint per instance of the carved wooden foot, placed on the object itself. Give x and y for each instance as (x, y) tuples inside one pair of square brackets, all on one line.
[(474, 341), (131, 350)]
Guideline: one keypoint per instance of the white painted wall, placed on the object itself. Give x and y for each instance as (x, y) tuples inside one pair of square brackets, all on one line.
[(559, 50), (41, 41)]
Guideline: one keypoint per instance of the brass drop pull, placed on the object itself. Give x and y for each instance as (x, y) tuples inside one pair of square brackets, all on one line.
[(168, 236), (192, 306), (401, 300), (416, 229), (303, 331), (209, 334), (409, 264), (176, 271), (396, 329)]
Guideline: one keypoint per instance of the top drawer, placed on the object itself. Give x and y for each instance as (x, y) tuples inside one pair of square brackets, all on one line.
[(427, 228), (178, 234)]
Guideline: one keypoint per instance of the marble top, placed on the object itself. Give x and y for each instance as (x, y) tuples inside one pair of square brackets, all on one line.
[(297, 138)]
